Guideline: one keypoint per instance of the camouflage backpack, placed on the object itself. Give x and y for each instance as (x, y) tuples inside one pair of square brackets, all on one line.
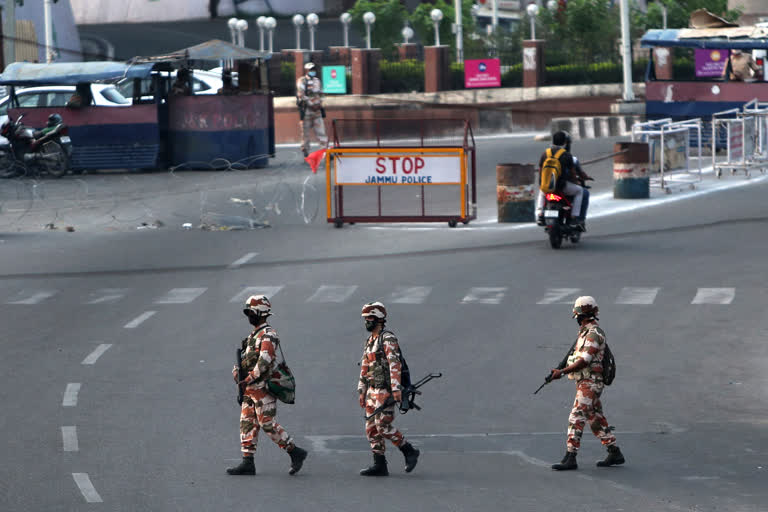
[(405, 373)]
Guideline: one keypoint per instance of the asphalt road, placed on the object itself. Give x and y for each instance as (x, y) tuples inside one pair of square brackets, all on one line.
[(117, 348)]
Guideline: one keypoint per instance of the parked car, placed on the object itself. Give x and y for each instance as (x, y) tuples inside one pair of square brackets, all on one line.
[(203, 82)]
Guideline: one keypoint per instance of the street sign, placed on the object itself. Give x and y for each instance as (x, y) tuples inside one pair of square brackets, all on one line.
[(335, 79)]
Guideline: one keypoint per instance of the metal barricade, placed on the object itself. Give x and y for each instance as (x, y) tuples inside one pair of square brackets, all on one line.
[(664, 136), (746, 146)]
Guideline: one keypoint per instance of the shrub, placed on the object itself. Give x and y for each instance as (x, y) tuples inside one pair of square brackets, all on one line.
[(402, 76)]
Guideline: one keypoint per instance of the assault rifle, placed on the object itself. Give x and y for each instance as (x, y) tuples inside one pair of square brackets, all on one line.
[(560, 366), (241, 374), (409, 397)]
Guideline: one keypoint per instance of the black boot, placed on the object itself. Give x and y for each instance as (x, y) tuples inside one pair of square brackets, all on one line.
[(246, 467), (379, 467), (614, 458), (568, 462), (297, 459), (411, 455)]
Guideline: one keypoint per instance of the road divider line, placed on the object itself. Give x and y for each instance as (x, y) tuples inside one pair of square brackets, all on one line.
[(714, 296), (87, 489), (245, 259), (69, 439), (70, 394), (269, 291), (139, 320), (96, 354), (180, 295)]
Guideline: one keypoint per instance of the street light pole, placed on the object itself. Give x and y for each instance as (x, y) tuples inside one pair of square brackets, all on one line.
[(270, 24), (298, 21), (626, 54), (47, 4), (369, 18), (459, 32), (495, 15), (345, 19)]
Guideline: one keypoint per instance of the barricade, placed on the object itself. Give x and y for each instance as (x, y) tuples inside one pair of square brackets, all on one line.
[(401, 170), (630, 171), (516, 192), (669, 152), (746, 146)]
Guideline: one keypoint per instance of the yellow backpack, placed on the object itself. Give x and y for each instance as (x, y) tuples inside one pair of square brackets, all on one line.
[(551, 171)]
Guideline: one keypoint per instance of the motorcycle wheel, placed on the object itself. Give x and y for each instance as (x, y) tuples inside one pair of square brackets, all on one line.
[(59, 164), (555, 238), (576, 237)]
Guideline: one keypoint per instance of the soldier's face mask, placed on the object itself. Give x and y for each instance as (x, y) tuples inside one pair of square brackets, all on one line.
[(313, 73), (370, 323), (254, 319)]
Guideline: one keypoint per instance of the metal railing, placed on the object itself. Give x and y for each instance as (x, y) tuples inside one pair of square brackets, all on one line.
[(663, 136)]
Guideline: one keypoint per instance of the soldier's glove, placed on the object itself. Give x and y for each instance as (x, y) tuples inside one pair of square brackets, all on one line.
[(397, 396)]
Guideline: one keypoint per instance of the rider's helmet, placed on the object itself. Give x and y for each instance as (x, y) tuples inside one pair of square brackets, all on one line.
[(258, 304), (563, 139), (54, 120), (585, 306), (376, 309)]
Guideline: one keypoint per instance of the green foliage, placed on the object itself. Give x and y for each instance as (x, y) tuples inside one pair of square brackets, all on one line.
[(287, 78), (679, 13), (390, 19), (402, 76), (425, 28)]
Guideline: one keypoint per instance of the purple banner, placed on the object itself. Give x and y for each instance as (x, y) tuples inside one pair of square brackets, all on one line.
[(710, 62), (482, 73)]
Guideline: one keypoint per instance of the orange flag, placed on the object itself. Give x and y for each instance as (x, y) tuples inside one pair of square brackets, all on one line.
[(315, 158)]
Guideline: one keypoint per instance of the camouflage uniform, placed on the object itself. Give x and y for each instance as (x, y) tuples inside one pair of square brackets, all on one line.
[(379, 377), (590, 347), (259, 406), (310, 90)]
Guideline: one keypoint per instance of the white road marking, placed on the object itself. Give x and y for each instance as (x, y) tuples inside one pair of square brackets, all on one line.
[(35, 298), (714, 296), (104, 295), (485, 295), (70, 394), (69, 439), (269, 291), (180, 295), (96, 354), (139, 320), (245, 259), (83, 482), (332, 293), (630, 295), (559, 296), (409, 294)]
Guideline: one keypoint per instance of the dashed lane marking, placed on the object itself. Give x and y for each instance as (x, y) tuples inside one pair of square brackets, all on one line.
[(180, 295), (332, 293), (630, 295), (87, 489), (69, 439), (34, 298), (409, 294), (485, 295), (559, 296), (139, 320), (70, 394), (96, 354), (107, 295), (714, 296), (245, 259), (269, 291)]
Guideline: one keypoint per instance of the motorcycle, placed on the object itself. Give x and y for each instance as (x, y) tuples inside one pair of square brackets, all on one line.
[(31, 152), (557, 216)]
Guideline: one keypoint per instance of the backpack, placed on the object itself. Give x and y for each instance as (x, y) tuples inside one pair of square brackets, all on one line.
[(281, 383), (609, 366), (551, 171), (405, 372)]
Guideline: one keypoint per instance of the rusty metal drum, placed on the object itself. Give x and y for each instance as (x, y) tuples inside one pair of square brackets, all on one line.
[(630, 171), (516, 192)]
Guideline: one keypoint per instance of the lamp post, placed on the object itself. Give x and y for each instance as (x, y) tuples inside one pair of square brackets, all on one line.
[(346, 19), (552, 5), (312, 21), (260, 23), (270, 24), (532, 10), (407, 33), (459, 33), (437, 16), (298, 21), (369, 18), (242, 26), (232, 24), (626, 54)]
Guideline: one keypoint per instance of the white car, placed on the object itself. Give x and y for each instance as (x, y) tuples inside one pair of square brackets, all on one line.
[(203, 82)]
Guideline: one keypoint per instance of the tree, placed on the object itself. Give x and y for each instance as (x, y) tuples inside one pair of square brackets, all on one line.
[(679, 13), (390, 19), (586, 31), (425, 27)]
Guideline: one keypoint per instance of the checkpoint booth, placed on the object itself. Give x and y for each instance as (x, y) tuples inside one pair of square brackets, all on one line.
[(401, 170)]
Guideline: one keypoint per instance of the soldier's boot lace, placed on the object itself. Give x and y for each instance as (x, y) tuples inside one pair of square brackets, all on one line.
[(614, 458), (246, 467), (568, 462), (411, 455), (297, 459), (379, 467)]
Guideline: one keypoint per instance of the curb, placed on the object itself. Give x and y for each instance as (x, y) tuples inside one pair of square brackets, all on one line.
[(595, 127)]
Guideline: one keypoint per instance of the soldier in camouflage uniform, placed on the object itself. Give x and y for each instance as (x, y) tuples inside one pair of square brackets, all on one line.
[(585, 367), (309, 96), (379, 379), (259, 406)]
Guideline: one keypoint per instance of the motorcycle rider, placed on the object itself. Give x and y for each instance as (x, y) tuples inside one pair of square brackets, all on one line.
[(568, 184)]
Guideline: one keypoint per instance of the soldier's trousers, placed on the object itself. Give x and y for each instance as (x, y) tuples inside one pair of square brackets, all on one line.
[(380, 427), (313, 122), (258, 413), (587, 408)]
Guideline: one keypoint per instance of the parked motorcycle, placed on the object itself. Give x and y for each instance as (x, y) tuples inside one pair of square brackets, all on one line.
[(31, 152)]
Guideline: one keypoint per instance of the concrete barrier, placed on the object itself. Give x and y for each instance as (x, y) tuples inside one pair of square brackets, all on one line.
[(595, 127), (630, 171)]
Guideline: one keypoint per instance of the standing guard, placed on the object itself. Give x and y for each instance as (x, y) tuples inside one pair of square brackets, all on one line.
[(380, 371), (259, 407), (309, 99), (585, 365)]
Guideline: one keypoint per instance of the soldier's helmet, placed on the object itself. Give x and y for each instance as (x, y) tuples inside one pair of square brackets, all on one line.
[(585, 305), (376, 309), (310, 66), (258, 304)]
